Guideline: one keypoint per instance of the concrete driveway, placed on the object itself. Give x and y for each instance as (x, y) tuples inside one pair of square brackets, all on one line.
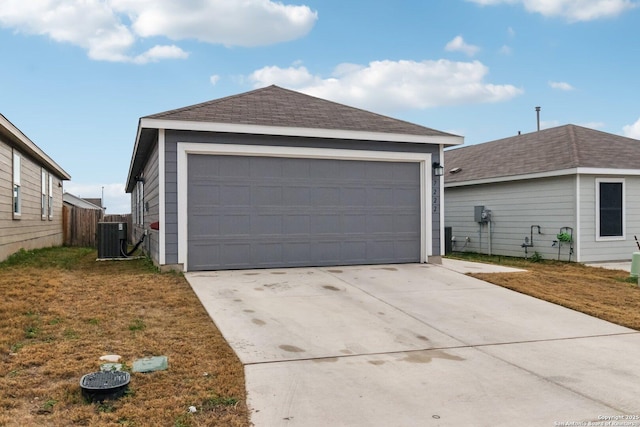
[(416, 345)]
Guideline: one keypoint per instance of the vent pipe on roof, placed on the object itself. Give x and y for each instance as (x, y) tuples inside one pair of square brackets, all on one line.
[(538, 117)]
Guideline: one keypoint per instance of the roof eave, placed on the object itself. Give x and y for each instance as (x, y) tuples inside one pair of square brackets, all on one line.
[(548, 174), (446, 140), (130, 176)]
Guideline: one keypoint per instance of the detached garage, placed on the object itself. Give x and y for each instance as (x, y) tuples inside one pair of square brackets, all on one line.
[(275, 178)]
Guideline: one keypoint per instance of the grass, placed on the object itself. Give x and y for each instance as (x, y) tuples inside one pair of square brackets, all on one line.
[(607, 294), (61, 310)]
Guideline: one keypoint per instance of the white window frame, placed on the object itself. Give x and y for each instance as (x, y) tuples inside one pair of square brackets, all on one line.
[(44, 196), (17, 188), (600, 238), (140, 202), (50, 212)]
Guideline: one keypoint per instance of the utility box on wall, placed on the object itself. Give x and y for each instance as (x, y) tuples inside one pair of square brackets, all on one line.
[(477, 213), (112, 239)]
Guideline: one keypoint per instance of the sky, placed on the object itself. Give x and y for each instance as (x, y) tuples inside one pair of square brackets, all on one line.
[(76, 75)]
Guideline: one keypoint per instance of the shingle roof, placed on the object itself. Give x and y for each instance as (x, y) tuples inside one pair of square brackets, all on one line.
[(276, 106), (559, 148)]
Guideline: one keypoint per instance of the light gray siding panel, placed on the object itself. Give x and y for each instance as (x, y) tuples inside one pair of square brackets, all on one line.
[(30, 231), (516, 206), (255, 212), (592, 250)]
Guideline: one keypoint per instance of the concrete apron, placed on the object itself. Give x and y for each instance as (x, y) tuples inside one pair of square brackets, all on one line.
[(405, 345)]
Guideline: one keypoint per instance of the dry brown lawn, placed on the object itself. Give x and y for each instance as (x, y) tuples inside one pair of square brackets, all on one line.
[(60, 310), (607, 294)]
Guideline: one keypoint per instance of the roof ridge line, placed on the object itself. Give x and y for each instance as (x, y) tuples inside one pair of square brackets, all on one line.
[(574, 145)]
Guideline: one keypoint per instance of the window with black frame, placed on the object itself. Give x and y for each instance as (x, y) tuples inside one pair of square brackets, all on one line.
[(611, 208)]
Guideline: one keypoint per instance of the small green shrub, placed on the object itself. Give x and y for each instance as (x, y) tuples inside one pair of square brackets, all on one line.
[(536, 257)]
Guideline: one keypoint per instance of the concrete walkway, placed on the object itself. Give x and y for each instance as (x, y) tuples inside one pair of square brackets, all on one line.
[(415, 345)]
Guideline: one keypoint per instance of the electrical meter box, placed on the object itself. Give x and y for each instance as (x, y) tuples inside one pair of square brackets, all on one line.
[(482, 215), (112, 240)]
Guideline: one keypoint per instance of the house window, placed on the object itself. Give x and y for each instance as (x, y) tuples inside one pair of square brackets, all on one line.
[(50, 197), (17, 193), (610, 217), (44, 198)]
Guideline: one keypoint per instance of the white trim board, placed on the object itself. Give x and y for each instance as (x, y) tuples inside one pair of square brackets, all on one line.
[(299, 132), (162, 254), (186, 148)]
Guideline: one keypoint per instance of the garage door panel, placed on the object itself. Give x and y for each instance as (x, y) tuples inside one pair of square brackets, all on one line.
[(324, 223), (225, 166), (286, 212), (326, 196), (405, 223), (235, 195), (296, 196), (233, 224), (264, 224), (295, 224), (405, 196), (354, 197), (355, 223), (296, 253)]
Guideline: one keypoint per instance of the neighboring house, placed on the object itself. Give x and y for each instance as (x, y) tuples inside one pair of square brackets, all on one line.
[(567, 179), (276, 178), (96, 201), (71, 200), (30, 194)]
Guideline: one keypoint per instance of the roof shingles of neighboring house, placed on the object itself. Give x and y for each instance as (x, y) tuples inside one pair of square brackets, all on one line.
[(279, 107), (555, 149)]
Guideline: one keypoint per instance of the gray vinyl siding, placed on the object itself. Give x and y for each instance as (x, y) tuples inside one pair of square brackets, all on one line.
[(516, 206), (151, 200), (151, 197), (30, 231), (171, 201), (173, 137), (593, 250)]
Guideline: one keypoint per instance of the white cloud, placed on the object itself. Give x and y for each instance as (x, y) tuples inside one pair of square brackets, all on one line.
[(632, 130), (214, 79), (110, 29), (157, 53), (572, 10), (228, 22), (459, 45), (505, 50), (561, 86), (115, 199), (394, 85)]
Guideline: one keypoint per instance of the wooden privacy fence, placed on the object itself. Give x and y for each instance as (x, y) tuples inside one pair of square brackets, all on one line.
[(80, 226)]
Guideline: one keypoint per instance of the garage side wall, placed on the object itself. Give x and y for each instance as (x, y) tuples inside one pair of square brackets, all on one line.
[(515, 207), (151, 207), (173, 137)]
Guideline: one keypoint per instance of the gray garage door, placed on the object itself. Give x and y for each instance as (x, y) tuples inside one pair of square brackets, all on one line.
[(259, 212)]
